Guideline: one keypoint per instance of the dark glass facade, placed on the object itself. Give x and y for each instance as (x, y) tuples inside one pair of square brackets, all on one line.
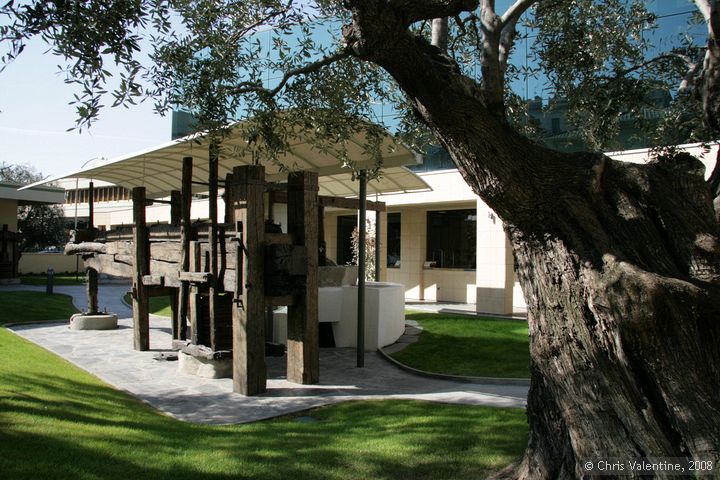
[(451, 238)]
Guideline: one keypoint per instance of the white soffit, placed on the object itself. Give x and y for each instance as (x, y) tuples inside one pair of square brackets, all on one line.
[(159, 169)]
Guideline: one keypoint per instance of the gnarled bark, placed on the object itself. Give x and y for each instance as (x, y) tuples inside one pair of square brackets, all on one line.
[(619, 264)]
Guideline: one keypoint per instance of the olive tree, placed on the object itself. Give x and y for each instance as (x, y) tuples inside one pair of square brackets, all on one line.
[(619, 263)]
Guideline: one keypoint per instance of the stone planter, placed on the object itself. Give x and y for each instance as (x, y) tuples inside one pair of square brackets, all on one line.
[(98, 321)]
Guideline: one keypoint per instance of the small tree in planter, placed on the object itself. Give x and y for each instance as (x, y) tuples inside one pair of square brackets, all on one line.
[(369, 249)]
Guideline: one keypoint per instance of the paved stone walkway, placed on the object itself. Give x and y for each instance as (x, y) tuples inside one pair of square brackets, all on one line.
[(109, 355)]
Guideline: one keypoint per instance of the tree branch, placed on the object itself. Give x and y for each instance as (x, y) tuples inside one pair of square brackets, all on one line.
[(667, 56), (704, 7), (244, 31), (515, 11), (304, 70), (417, 10)]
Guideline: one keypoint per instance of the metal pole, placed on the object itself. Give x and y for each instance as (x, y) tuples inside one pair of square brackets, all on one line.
[(378, 218), (361, 272), (77, 257)]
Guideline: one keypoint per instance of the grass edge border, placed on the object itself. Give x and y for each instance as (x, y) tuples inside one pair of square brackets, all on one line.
[(455, 378)]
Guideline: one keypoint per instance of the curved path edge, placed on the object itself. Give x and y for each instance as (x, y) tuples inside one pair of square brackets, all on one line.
[(109, 355), (455, 378)]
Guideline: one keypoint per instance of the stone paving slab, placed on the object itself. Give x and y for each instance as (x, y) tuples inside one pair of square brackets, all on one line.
[(109, 355)]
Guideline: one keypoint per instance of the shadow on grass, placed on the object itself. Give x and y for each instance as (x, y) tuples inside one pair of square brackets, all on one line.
[(58, 422)]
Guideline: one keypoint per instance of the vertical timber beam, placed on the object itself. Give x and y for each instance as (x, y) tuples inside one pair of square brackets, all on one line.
[(175, 208), (91, 206), (361, 271), (141, 318), (303, 344), (175, 220), (174, 319), (249, 369), (196, 307), (92, 291), (227, 198), (214, 151), (185, 237)]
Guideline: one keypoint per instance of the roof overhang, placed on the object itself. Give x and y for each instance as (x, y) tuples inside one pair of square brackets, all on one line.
[(39, 195), (159, 169)]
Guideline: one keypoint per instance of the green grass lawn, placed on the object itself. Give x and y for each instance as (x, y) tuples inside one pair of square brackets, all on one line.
[(158, 305), (67, 279), (59, 422), (20, 307), (461, 345)]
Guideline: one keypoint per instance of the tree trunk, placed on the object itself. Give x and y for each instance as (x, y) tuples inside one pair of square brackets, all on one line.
[(619, 265), (623, 301)]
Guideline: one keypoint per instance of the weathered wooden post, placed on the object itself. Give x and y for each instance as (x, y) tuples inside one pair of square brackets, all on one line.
[(175, 208), (91, 206), (141, 314), (175, 220), (213, 307), (246, 197), (92, 290), (185, 237), (199, 333), (303, 344)]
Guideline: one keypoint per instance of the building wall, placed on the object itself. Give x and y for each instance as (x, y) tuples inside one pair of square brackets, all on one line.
[(413, 226), (40, 262), (492, 286), (8, 214), (449, 285), (494, 274)]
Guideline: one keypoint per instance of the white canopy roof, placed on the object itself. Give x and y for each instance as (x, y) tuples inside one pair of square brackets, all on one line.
[(159, 169)]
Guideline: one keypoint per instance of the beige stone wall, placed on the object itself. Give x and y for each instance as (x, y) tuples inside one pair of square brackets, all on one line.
[(8, 214), (494, 275), (40, 262), (449, 285), (413, 222), (331, 233)]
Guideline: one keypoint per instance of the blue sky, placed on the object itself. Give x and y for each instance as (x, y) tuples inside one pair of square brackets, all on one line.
[(34, 112), (35, 116)]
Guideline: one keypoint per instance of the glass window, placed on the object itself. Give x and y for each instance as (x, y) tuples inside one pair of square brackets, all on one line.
[(451, 238), (393, 240), (345, 226)]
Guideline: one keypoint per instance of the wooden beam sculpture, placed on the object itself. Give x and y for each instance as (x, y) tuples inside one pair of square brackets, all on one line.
[(214, 307), (303, 344), (245, 195), (185, 237), (92, 291), (141, 267)]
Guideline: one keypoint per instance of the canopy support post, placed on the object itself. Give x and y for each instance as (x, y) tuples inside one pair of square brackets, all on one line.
[(378, 245), (361, 271)]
